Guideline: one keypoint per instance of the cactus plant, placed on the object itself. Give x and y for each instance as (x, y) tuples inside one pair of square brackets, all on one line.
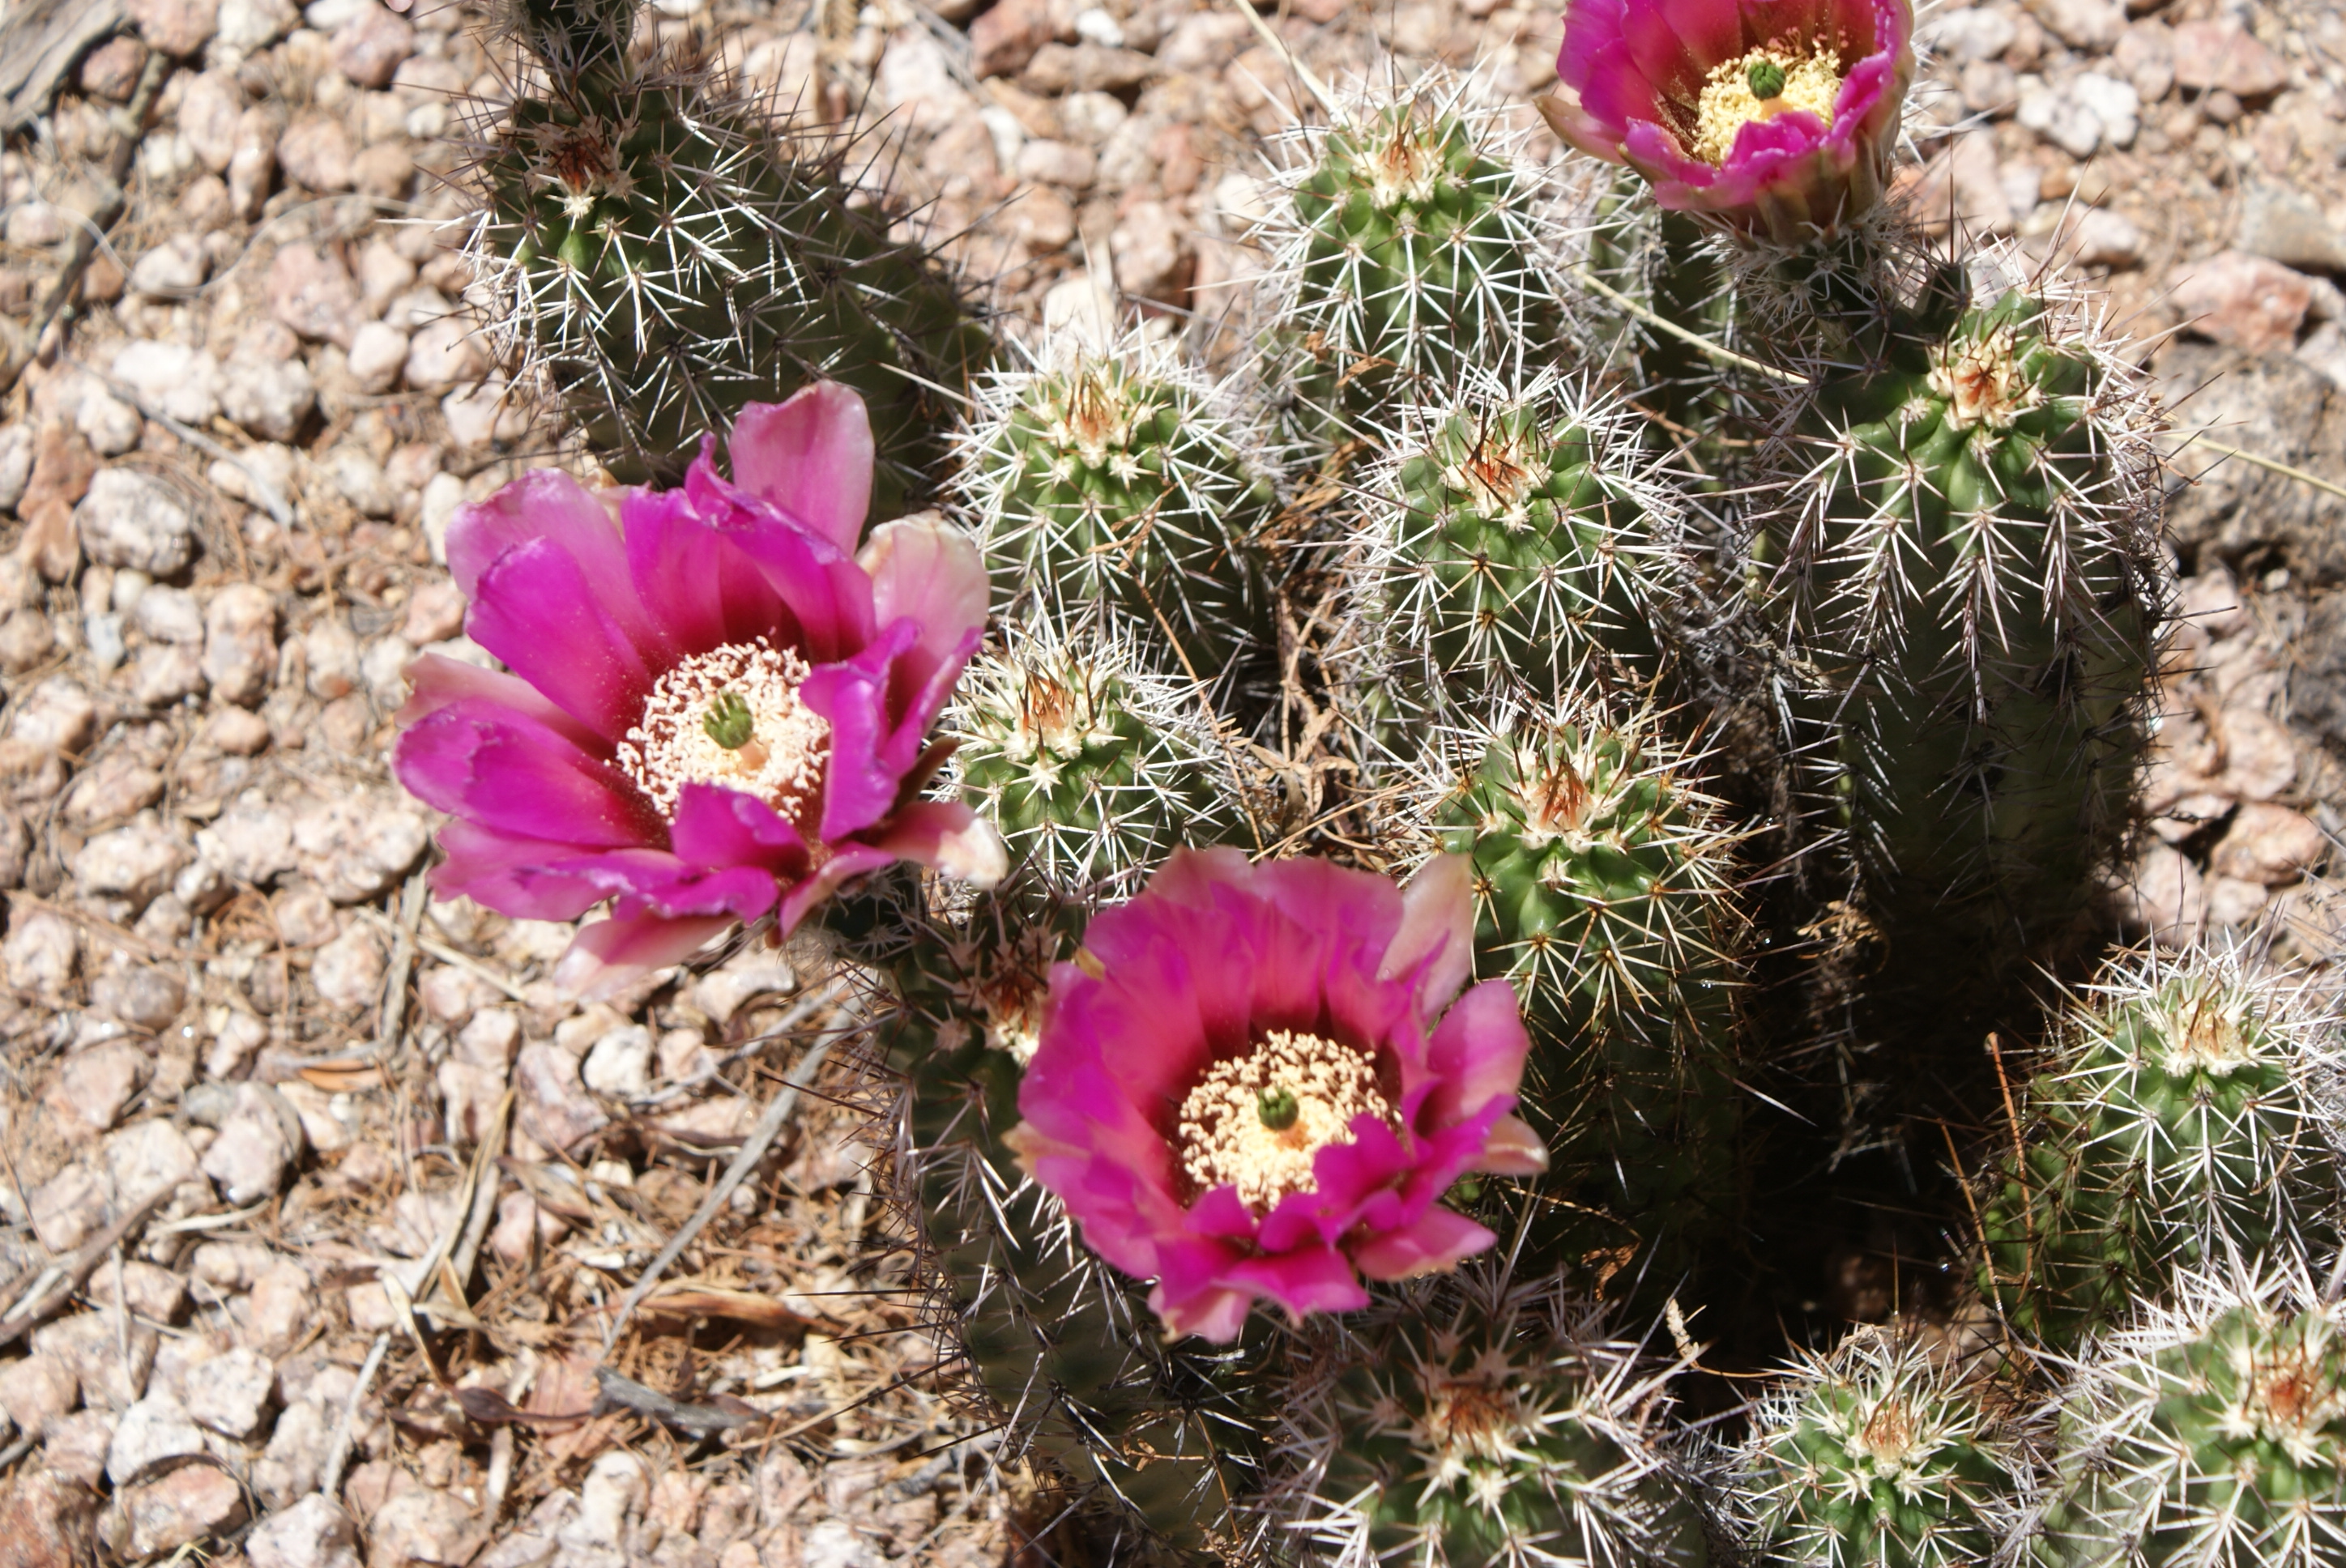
[(1524, 542), (1094, 767), (659, 251), (1414, 241), (1123, 483), (1973, 558), (1880, 1454), (1605, 890), (2180, 1122), (1485, 1420), (2212, 1433)]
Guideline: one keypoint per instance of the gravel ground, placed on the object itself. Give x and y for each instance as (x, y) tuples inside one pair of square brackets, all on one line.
[(273, 1123)]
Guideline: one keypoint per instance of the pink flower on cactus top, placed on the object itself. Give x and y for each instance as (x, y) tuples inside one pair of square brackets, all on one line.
[(1778, 116), (717, 706), (1248, 1085)]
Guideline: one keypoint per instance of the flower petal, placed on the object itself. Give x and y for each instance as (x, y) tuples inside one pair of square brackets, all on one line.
[(1477, 1053), (925, 570), (1312, 1279), (716, 826), (1214, 1315), (693, 578), (1435, 948), (610, 955), (510, 773), (870, 753), (511, 875), (537, 611), (1436, 1242), (948, 837), (809, 456), (1513, 1149), (435, 681)]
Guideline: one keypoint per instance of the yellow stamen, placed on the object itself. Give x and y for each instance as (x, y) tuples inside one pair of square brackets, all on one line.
[(1227, 1135), (1728, 104)]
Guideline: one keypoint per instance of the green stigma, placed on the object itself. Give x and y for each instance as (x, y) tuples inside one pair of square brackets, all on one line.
[(729, 721), (1767, 79), (1278, 1109)]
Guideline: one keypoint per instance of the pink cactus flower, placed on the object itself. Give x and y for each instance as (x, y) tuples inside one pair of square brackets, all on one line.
[(1776, 116), (1248, 1085), (717, 706)]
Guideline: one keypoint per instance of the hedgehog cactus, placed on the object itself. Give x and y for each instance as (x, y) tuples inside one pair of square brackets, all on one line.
[(1125, 482), (659, 253), (2178, 1124), (1974, 557), (1484, 1420), (1879, 1455), (1094, 767), (1524, 543), (2210, 1434), (1604, 888), (1413, 244)]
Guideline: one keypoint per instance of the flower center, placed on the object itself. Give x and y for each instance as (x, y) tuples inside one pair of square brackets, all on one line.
[(1405, 167), (1983, 381), (1258, 1122), (1497, 473), (732, 716), (1760, 85)]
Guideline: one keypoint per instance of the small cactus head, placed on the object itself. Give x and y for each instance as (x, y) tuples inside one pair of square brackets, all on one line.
[(2212, 1431), (1879, 1455)]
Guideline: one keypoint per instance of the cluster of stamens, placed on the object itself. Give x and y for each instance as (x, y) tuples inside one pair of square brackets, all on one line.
[(1091, 424), (1495, 473), (2204, 1034), (1759, 85), (1983, 383), (1258, 1122), (1405, 164), (2290, 1391), (732, 716)]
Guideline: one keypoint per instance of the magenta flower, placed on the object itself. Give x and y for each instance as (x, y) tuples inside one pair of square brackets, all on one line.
[(1778, 116), (1247, 1085), (717, 706)]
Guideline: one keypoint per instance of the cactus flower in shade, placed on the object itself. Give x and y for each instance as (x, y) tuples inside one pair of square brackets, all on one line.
[(717, 706), (1776, 116), (1253, 1082)]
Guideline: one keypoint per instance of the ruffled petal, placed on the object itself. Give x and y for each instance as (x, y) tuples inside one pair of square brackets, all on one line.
[(703, 589), (537, 612), (511, 774), (1513, 1149), (1437, 1241), (811, 457), (1477, 1053), (1434, 946), (610, 955), (1311, 1279), (928, 572), (946, 836), (826, 592), (870, 753), (847, 862), (1214, 1315), (511, 875), (715, 826)]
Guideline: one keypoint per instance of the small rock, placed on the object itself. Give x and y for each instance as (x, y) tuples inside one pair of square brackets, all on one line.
[(1152, 255), (445, 353), (181, 382), (17, 447), (132, 519), (269, 398), (162, 675), (170, 615), (254, 1149), (192, 1504), (252, 842), (229, 1392), (152, 1432), (2212, 57), (177, 27), (348, 971), (1003, 39), (313, 1533), (280, 1306), (2089, 24), (135, 862), (2324, 349), (2164, 898), (25, 640), (2285, 226), (436, 612), (69, 1208), (359, 479), (356, 847), (39, 952), (40, 1389), (915, 83), (377, 352), (553, 1107), (621, 1063), (239, 643), (110, 71), (2114, 103), (146, 1156), (1965, 183), (313, 292), (1971, 33), (1058, 163), (45, 1519), (92, 1087), (424, 1526), (315, 152), (721, 992), (1060, 68), (2145, 57), (2059, 117), (171, 270), (247, 27), (145, 997), (370, 47), (253, 170), (75, 1449), (2269, 844), (154, 1292), (2245, 301)]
